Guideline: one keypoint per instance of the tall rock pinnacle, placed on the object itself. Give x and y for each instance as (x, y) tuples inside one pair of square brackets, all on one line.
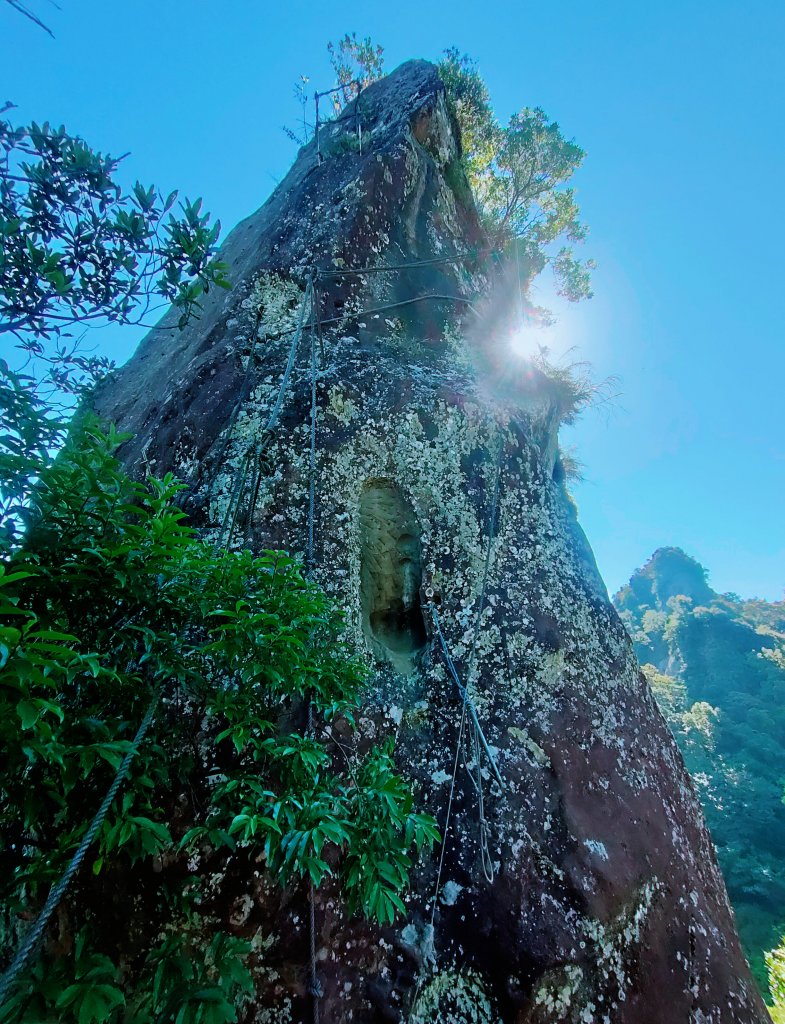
[(578, 882)]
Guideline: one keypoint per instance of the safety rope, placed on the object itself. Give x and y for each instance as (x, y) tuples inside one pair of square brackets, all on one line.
[(445, 834), (57, 891), (314, 987), (474, 734), (476, 738), (465, 695), (312, 450), (253, 451), (458, 257), (488, 554), (352, 315)]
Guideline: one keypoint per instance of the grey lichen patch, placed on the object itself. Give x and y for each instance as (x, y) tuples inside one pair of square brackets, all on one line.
[(591, 990), (340, 406), (456, 995), (614, 944), (273, 302), (557, 993)]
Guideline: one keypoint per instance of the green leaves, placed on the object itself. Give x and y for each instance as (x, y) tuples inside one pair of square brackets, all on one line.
[(517, 173), (113, 597), (77, 250), (187, 983), (356, 63)]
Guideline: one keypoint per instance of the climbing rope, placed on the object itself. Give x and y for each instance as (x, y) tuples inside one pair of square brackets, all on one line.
[(465, 695), (458, 257), (312, 449), (494, 511), (314, 986), (253, 451), (474, 735), (397, 305), (57, 891), (471, 730)]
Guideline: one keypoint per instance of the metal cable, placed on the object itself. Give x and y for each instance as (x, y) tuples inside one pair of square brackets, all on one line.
[(449, 810), (312, 451), (273, 420), (57, 891), (314, 985), (488, 555), (314, 988), (465, 696), (396, 305), (223, 538), (456, 258)]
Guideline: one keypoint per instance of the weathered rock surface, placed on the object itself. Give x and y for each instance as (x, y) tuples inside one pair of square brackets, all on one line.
[(606, 903)]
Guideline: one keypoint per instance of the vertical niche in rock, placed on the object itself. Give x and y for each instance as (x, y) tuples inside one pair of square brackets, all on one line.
[(390, 575)]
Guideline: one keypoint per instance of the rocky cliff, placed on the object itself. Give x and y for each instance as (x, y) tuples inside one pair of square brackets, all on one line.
[(580, 884), (716, 664)]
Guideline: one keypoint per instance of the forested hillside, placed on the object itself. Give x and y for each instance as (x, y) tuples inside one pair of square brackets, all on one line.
[(716, 664)]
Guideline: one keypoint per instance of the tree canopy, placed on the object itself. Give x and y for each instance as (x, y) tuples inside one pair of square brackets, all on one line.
[(77, 250), (517, 173)]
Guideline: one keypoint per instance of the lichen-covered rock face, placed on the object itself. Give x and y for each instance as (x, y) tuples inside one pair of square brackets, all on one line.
[(605, 902)]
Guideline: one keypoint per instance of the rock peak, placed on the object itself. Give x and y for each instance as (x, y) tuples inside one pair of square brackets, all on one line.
[(584, 888)]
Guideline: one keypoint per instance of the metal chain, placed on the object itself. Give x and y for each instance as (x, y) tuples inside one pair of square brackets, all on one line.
[(57, 891)]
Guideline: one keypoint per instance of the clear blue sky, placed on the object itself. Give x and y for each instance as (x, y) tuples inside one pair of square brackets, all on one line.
[(680, 106)]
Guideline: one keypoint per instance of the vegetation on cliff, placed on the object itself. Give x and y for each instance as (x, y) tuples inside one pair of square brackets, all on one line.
[(716, 664), (113, 612), (112, 606), (517, 173)]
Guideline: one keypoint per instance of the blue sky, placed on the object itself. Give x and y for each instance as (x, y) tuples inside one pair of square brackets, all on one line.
[(679, 106)]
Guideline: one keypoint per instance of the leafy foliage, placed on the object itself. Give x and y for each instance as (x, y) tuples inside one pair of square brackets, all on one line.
[(111, 600), (76, 250), (181, 981), (517, 173), (356, 63), (716, 667), (775, 965)]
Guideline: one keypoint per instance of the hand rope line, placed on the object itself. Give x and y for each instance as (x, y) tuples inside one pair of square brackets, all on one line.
[(397, 305), (244, 389), (474, 735), (224, 536), (473, 732), (478, 743), (314, 986), (458, 747), (356, 314), (309, 561), (437, 887), (465, 696), (492, 522), (474, 758), (57, 891), (468, 254)]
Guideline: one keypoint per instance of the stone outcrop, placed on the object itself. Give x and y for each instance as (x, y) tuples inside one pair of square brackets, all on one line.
[(606, 902)]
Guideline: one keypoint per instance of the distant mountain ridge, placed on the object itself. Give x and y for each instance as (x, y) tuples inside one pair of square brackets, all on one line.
[(716, 664)]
